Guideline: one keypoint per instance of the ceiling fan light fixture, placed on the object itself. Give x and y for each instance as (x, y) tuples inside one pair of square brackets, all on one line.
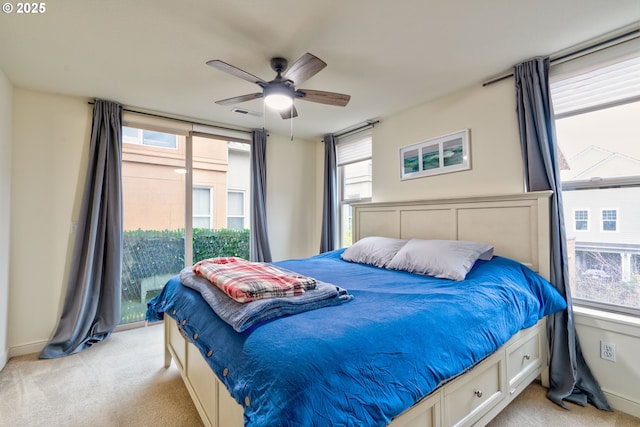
[(278, 101), (278, 97)]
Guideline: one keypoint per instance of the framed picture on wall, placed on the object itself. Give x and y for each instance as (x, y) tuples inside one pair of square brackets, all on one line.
[(444, 154)]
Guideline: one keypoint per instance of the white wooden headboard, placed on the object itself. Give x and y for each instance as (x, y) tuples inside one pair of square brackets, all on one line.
[(516, 225)]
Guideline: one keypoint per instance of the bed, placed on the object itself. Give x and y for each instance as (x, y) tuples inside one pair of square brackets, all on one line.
[(372, 360)]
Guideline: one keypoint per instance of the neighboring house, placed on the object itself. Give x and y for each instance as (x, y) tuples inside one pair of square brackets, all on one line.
[(153, 178), (238, 185), (603, 225)]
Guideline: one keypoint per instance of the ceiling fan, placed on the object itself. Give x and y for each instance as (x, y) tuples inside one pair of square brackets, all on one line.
[(280, 92)]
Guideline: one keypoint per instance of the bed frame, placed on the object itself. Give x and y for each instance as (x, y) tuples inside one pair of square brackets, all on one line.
[(518, 228)]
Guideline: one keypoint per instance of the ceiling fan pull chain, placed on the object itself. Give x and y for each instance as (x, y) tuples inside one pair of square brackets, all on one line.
[(291, 119), (263, 116)]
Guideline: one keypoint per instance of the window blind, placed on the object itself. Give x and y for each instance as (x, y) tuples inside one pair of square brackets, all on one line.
[(156, 124), (605, 78), (353, 149)]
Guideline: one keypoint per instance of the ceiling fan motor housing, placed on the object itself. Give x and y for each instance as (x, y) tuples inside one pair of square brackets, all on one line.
[(279, 88), (279, 64)]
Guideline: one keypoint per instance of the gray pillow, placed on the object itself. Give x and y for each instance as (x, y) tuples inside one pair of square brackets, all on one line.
[(373, 250), (446, 259)]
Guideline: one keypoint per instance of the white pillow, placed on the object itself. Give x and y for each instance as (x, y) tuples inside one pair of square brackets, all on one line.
[(373, 250), (446, 259)]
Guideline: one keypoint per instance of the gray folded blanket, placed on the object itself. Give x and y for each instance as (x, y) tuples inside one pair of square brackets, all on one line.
[(241, 316)]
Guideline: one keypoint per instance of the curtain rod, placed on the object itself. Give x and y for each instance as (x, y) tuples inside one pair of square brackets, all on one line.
[(629, 35), (160, 116), (367, 125)]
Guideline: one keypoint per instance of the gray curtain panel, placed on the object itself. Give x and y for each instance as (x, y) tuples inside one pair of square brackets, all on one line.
[(92, 304), (259, 242), (329, 237), (570, 377)]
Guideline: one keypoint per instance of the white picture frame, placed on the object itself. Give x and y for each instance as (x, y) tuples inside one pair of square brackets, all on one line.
[(444, 154)]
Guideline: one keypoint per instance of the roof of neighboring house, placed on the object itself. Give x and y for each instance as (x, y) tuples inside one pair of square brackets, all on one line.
[(595, 161), (562, 160)]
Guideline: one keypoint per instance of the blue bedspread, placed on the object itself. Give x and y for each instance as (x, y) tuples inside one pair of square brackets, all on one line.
[(365, 362)]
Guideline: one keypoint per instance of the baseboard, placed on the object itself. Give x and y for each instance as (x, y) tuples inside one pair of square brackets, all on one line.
[(134, 325), (544, 377), (617, 402), (4, 358), (21, 350), (622, 404)]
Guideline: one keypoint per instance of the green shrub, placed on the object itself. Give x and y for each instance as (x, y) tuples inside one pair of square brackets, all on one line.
[(147, 253), (224, 242)]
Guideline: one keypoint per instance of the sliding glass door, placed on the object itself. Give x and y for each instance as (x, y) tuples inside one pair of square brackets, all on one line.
[(181, 204)]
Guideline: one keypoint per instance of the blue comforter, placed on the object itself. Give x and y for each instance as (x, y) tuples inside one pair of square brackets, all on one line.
[(365, 362)]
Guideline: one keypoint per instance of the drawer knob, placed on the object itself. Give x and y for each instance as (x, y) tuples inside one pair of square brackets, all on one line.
[(527, 357), (478, 393)]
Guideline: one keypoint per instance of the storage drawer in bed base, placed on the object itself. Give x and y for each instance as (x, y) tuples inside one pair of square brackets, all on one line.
[(210, 397)]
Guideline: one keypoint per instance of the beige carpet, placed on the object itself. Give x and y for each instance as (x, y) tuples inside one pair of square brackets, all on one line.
[(532, 409), (121, 382)]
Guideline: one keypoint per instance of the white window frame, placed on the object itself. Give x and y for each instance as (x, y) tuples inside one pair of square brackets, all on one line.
[(575, 221), (602, 220), (140, 139), (578, 105), (364, 155), (210, 215), (244, 204)]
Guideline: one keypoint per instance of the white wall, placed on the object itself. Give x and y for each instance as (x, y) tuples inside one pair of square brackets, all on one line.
[(50, 147), (496, 162), (294, 228), (6, 97), (619, 380)]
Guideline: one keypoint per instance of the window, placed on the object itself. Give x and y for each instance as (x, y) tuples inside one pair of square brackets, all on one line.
[(581, 220), (149, 137), (235, 210), (597, 102), (354, 179), (609, 220), (202, 208)]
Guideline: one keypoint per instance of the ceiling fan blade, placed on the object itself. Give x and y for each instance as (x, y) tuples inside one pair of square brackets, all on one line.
[(236, 99), (289, 113), (322, 97), (304, 68), (223, 66)]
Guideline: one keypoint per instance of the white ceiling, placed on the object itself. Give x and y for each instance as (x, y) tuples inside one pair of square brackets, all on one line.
[(387, 55)]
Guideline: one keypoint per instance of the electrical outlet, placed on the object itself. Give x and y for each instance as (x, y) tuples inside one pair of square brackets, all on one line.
[(607, 351)]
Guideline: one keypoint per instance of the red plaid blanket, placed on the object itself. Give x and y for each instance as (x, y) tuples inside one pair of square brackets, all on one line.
[(246, 281)]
